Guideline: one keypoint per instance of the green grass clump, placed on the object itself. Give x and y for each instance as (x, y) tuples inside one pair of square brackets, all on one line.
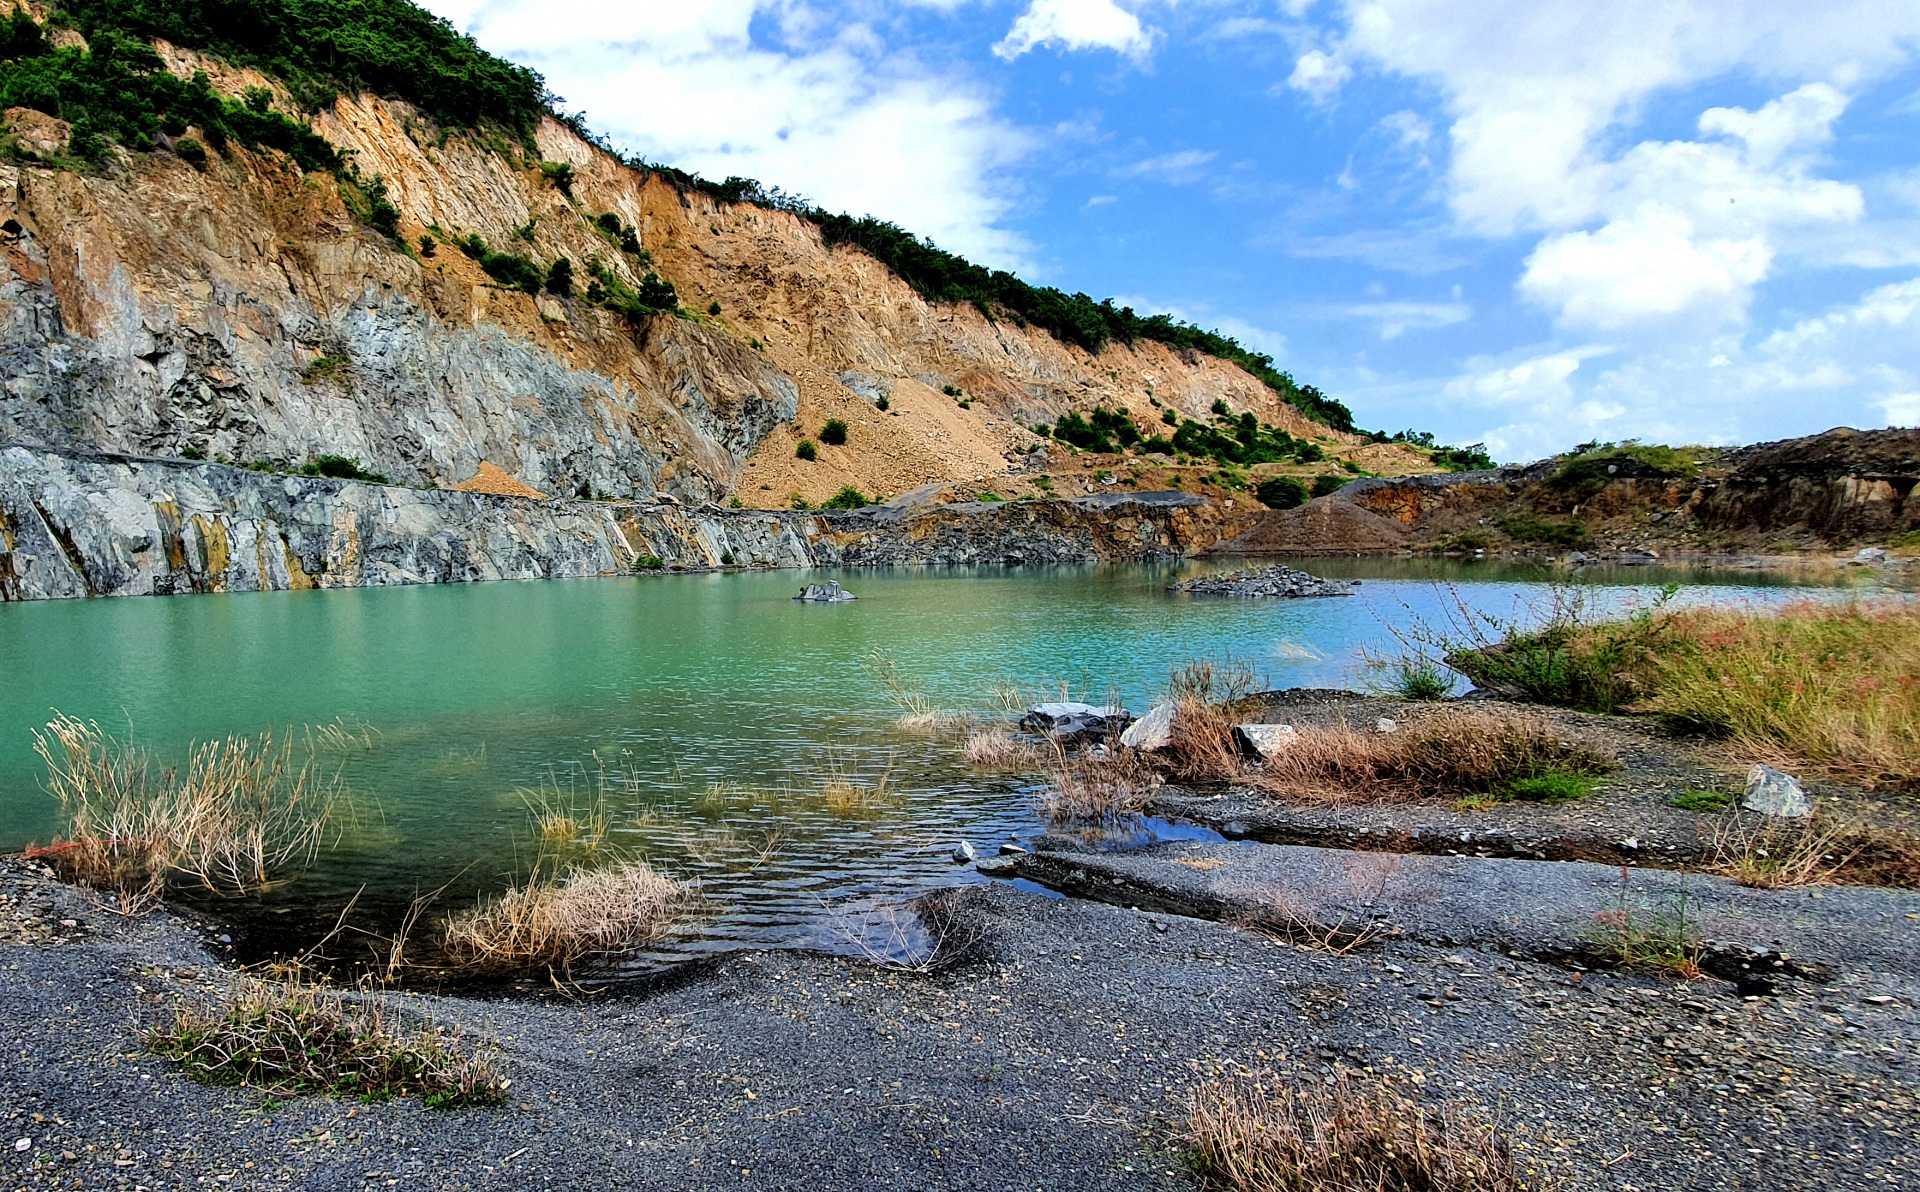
[(1414, 677), (1554, 786), (1525, 527), (806, 450), (330, 367), (1702, 801), (292, 1038), (847, 498), (834, 432), (341, 467)]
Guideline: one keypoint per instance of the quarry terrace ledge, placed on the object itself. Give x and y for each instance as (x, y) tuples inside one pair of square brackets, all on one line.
[(95, 523)]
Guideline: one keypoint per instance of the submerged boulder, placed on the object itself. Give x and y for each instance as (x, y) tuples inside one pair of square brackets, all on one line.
[(828, 593), (1770, 792)]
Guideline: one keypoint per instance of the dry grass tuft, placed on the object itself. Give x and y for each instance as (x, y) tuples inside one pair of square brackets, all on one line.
[(563, 821), (1836, 687), (1830, 688), (557, 916), (1200, 745), (1344, 1137), (996, 748), (1444, 755), (289, 1037), (243, 815), (1772, 854), (849, 796), (1094, 788)]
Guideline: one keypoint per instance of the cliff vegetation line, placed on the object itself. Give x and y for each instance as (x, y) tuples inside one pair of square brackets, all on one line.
[(115, 89)]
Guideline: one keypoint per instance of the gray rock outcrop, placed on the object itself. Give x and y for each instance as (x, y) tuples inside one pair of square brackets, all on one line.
[(92, 523), (828, 593), (1072, 720)]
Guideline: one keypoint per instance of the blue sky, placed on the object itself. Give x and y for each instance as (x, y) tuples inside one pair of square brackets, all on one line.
[(1524, 222)]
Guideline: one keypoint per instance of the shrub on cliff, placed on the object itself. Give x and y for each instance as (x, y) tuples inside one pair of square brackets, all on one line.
[(834, 433), (1281, 492), (806, 450), (511, 269), (118, 90), (341, 467), (322, 48), (847, 498), (560, 278), (560, 174)]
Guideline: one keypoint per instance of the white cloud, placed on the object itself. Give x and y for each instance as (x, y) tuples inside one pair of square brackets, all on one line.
[(1539, 91), (1319, 74), (1187, 165), (1901, 409), (1396, 318), (822, 108), (1076, 25), (1646, 267)]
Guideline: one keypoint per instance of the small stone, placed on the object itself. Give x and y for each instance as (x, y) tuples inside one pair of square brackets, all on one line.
[(1867, 555), (223, 938), (1576, 557), (1011, 849), (25, 1144), (964, 854), (1385, 725), (996, 866), (1770, 792)]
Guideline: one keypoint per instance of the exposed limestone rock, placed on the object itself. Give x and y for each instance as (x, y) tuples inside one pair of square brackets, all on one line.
[(76, 523)]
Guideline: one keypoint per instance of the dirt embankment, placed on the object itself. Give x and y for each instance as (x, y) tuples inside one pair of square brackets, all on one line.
[(1836, 490)]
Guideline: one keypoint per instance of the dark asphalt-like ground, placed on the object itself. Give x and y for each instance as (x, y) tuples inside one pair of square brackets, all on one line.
[(1055, 1054)]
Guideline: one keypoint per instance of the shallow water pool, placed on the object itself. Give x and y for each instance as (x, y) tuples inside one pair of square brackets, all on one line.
[(709, 713)]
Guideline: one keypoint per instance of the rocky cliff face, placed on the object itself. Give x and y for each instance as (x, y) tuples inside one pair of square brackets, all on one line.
[(82, 523), (241, 312)]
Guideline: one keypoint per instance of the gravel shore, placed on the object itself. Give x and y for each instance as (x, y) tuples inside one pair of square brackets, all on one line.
[(1054, 1053)]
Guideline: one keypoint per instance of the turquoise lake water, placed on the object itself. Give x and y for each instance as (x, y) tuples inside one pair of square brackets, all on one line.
[(648, 692)]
